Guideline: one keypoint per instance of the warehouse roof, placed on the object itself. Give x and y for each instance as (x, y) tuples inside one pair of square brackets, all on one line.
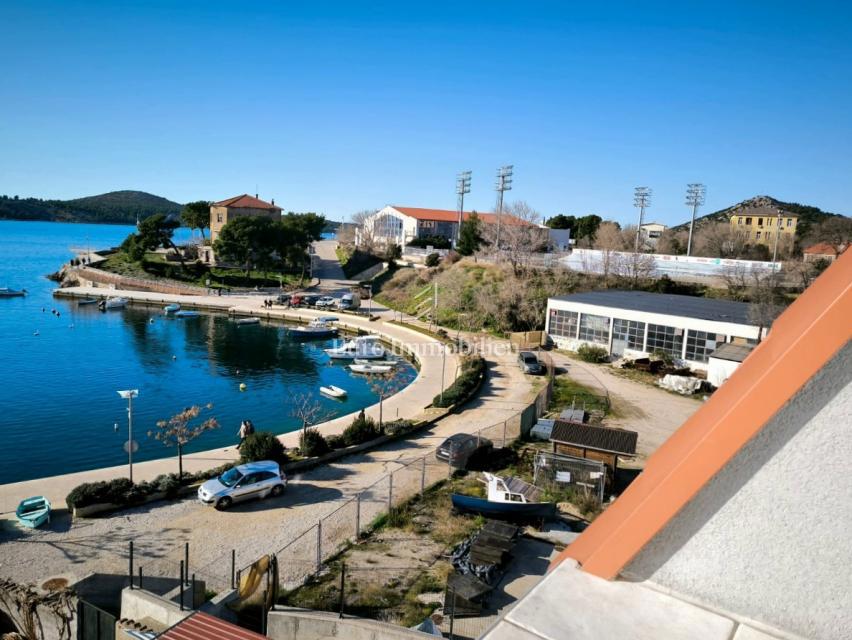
[(666, 304), (599, 438)]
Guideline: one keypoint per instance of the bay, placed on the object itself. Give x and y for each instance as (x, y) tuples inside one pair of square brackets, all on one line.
[(59, 410)]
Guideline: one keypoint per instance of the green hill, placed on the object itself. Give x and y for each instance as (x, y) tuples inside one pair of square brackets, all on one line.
[(765, 206), (113, 207)]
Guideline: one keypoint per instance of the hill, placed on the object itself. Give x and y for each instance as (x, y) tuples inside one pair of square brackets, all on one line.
[(113, 207), (765, 206)]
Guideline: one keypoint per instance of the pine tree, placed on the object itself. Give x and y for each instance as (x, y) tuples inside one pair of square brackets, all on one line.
[(470, 236)]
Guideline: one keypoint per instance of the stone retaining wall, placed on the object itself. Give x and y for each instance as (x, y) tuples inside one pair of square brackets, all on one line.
[(98, 277)]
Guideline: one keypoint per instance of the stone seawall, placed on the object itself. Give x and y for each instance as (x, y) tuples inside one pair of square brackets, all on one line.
[(90, 276)]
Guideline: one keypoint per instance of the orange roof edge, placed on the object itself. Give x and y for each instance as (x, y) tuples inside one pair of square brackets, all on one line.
[(803, 339)]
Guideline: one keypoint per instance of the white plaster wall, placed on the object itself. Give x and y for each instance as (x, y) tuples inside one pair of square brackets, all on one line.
[(770, 537), (719, 370)]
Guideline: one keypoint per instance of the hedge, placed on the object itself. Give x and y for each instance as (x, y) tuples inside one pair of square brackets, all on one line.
[(361, 430), (472, 370), (312, 443), (262, 445)]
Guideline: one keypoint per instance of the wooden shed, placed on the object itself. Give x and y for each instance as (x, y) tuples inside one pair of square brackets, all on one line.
[(594, 443)]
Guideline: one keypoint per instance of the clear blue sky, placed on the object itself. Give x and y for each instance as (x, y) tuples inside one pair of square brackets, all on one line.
[(336, 107)]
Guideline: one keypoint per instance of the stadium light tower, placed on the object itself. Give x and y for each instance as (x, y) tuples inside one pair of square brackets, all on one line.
[(695, 193), (504, 183), (642, 200), (462, 187)]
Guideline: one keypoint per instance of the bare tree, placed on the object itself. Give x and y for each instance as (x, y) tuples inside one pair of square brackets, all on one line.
[(178, 431), (766, 300), (308, 410), (672, 242), (385, 385), (635, 267), (609, 241), (361, 220), (720, 240), (836, 230), (736, 278), (520, 234), (24, 606)]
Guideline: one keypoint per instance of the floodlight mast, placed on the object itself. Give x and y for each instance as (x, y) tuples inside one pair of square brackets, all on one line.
[(462, 187), (504, 183), (642, 200), (695, 193)]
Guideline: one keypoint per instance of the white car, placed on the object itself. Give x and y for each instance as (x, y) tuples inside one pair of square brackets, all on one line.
[(326, 302), (244, 482)]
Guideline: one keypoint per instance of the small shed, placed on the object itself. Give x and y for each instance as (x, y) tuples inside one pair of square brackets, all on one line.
[(593, 443), (202, 626), (725, 360)]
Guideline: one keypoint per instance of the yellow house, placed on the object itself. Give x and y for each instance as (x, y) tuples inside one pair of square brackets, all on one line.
[(762, 225), (239, 207)]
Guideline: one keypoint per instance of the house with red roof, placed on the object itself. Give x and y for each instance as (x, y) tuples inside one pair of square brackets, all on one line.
[(822, 251), (242, 206), (400, 225)]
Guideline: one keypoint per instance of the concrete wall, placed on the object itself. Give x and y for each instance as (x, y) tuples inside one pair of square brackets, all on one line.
[(769, 537), (137, 604), (299, 624)]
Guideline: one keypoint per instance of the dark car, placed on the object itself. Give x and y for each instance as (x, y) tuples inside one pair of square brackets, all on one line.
[(310, 300), (529, 363), (284, 298), (458, 450)]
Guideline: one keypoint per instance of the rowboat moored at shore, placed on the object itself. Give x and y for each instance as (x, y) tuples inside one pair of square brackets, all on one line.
[(244, 321), (33, 512), (187, 314), (371, 368), (86, 301), (112, 303), (333, 392)]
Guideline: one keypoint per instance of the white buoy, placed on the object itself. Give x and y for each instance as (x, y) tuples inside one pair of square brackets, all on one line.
[(174, 357), (243, 386)]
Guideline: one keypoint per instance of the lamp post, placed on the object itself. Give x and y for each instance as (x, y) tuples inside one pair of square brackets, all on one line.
[(443, 367), (462, 187), (504, 183), (641, 200), (695, 193), (128, 395), (777, 235)]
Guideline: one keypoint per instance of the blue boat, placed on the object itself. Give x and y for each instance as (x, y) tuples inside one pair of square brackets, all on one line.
[(508, 499), (171, 308), (187, 314), (33, 512)]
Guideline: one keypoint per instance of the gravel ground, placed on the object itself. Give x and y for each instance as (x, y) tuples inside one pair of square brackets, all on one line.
[(159, 530)]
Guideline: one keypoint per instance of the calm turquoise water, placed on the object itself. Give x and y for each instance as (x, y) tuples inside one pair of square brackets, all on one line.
[(58, 400)]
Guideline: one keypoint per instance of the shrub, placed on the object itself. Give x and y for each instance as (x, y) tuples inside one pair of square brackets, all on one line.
[(432, 260), (664, 356), (398, 427), (168, 484), (120, 491), (262, 445), (361, 430), (335, 442), (312, 443), (590, 353), (473, 368)]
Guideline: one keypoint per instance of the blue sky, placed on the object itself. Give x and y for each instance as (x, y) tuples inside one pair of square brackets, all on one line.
[(337, 107)]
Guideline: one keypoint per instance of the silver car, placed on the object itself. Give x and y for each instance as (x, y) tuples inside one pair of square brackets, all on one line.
[(243, 482)]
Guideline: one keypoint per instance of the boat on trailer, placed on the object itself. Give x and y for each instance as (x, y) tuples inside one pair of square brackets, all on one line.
[(508, 498), (33, 512), (333, 392)]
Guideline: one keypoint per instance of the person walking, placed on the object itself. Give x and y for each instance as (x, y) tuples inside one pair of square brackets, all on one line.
[(243, 432)]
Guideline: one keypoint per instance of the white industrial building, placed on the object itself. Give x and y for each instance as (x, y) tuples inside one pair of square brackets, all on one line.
[(637, 323)]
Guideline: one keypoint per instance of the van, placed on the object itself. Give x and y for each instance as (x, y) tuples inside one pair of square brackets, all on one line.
[(349, 302)]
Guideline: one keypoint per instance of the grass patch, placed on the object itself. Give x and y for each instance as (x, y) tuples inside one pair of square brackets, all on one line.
[(354, 261), (567, 392)]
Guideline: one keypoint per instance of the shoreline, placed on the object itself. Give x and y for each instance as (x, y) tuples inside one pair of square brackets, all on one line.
[(407, 404)]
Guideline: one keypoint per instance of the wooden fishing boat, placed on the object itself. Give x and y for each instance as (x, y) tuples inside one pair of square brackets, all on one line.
[(333, 392), (508, 498), (6, 292), (33, 512)]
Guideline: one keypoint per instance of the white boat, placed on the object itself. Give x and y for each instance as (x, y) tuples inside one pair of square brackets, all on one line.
[(172, 308), (333, 392), (362, 348), (113, 303), (317, 328), (389, 363), (371, 368), (251, 320)]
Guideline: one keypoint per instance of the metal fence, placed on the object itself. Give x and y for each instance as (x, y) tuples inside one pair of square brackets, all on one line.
[(556, 472)]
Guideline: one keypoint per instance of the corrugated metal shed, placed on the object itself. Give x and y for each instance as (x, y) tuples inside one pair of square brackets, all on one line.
[(618, 441), (201, 626)]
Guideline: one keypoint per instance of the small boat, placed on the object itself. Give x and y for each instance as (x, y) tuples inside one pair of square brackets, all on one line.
[(333, 392), (187, 314), (252, 320), (316, 329), (112, 303), (6, 292), (508, 498), (86, 301), (362, 348), (172, 308), (33, 512), (371, 368), (386, 363)]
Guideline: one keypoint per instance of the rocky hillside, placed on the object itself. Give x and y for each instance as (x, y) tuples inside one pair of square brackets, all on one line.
[(765, 206), (113, 207)]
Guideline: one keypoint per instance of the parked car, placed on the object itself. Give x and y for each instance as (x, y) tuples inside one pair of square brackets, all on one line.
[(326, 302), (244, 482), (284, 298), (309, 300), (296, 299), (457, 450), (529, 363)]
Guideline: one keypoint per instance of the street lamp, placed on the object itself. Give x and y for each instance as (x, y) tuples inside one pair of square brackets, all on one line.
[(777, 235), (504, 183), (128, 395), (641, 200), (462, 187), (695, 193), (443, 367)]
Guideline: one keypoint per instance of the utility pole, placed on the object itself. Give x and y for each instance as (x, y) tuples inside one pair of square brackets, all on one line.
[(504, 183), (695, 193), (462, 187), (777, 235), (641, 199), (128, 395)]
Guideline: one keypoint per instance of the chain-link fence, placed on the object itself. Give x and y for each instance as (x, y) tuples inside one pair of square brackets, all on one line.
[(558, 473)]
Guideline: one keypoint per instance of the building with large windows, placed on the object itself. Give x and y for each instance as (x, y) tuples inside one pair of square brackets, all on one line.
[(637, 323)]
